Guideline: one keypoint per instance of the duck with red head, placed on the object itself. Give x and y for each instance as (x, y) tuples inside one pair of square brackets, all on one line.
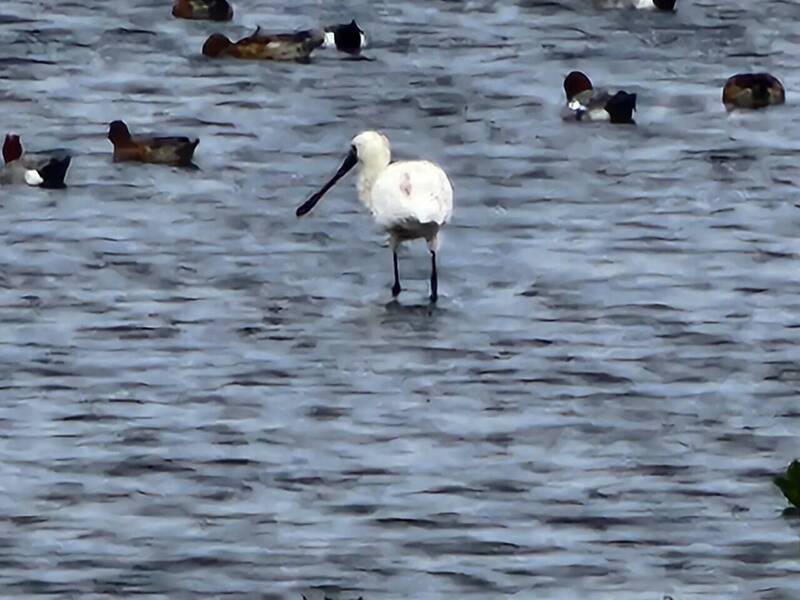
[(176, 151), (585, 103), (208, 10), (752, 91), (662, 5), (12, 148), (258, 46), (45, 172)]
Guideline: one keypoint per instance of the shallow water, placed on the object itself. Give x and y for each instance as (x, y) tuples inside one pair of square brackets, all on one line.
[(206, 397)]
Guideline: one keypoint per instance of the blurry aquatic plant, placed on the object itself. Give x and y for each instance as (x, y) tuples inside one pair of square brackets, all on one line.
[(789, 483)]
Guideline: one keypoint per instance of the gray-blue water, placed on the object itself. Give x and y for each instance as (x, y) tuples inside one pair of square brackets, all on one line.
[(203, 396)]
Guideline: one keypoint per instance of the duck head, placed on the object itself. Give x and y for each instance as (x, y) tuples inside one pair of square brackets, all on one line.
[(118, 133), (370, 149), (12, 148), (216, 44), (576, 83)]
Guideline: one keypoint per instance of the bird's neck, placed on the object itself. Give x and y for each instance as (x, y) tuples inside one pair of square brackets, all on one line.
[(367, 175)]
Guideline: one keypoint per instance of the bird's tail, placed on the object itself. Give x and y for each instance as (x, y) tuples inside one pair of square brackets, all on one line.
[(54, 173), (621, 106), (186, 152), (347, 38)]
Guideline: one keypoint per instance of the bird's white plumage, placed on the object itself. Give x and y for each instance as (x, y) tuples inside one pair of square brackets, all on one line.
[(409, 199), (598, 114), (33, 178), (412, 191)]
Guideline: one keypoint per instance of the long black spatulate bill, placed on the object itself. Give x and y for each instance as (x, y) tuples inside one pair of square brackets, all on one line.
[(349, 162)]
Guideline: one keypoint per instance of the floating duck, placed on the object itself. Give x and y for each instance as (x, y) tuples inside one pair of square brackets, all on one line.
[(209, 10), (752, 90), (278, 46), (408, 199), (177, 151), (584, 103), (49, 173)]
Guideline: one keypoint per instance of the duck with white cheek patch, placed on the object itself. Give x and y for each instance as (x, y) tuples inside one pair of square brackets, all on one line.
[(408, 199)]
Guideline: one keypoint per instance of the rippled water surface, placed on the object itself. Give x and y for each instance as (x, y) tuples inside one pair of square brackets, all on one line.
[(203, 396)]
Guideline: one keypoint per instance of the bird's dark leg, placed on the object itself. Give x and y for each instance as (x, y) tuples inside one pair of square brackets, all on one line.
[(396, 287), (434, 279)]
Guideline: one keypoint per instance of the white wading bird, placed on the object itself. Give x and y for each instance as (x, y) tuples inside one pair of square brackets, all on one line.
[(409, 199)]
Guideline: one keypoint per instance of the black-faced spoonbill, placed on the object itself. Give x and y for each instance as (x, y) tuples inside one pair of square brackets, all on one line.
[(409, 199)]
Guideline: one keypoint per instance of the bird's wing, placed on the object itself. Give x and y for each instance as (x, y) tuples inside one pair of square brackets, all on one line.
[(412, 191)]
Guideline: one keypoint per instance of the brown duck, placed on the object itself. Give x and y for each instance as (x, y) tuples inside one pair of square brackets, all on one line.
[(210, 10), (176, 151), (752, 90), (258, 46)]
